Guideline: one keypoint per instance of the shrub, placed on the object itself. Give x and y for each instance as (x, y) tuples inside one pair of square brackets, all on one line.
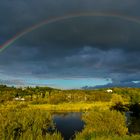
[(103, 123), (117, 99), (24, 123)]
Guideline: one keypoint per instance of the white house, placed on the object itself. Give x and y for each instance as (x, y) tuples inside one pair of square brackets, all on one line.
[(19, 99), (109, 90), (22, 99)]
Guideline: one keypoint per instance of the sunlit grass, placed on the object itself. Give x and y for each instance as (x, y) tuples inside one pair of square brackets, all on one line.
[(72, 106)]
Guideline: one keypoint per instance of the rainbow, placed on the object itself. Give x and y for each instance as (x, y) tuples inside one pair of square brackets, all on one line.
[(9, 42)]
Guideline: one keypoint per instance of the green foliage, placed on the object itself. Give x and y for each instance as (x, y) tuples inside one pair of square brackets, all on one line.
[(22, 105), (120, 107), (134, 97), (117, 99), (22, 121), (103, 123), (25, 124), (57, 98), (41, 95), (118, 103), (127, 137)]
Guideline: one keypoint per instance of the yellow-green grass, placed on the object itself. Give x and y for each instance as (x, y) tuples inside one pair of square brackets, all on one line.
[(72, 106), (79, 106)]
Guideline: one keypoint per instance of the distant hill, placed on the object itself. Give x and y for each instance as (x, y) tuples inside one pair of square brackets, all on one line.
[(111, 85)]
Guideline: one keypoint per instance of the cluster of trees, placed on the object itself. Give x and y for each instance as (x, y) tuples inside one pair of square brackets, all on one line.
[(122, 99), (52, 95), (31, 93)]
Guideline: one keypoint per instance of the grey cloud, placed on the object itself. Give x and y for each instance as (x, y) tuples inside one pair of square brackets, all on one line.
[(104, 47), (20, 14)]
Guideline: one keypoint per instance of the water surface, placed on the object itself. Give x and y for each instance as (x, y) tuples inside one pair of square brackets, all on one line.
[(68, 123)]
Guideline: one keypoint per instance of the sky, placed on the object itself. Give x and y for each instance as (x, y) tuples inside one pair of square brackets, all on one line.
[(99, 47)]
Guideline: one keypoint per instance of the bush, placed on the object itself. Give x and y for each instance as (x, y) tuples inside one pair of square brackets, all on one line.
[(25, 124), (103, 123), (117, 99)]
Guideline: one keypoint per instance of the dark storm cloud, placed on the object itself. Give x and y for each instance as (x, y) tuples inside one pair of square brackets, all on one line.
[(86, 62), (19, 14), (104, 47)]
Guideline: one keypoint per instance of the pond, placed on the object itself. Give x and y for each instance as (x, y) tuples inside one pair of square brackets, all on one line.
[(68, 123)]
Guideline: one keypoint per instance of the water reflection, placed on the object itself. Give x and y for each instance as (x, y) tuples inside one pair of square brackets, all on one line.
[(134, 127), (68, 123), (133, 123)]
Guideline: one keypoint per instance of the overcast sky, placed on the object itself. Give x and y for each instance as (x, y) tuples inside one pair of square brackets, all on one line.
[(74, 52)]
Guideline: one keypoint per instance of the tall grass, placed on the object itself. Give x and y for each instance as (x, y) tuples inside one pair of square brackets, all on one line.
[(22, 123)]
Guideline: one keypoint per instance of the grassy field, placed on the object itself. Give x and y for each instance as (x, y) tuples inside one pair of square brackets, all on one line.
[(71, 106)]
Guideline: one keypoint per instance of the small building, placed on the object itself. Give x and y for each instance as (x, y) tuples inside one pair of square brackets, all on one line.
[(109, 90), (19, 99), (22, 99)]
